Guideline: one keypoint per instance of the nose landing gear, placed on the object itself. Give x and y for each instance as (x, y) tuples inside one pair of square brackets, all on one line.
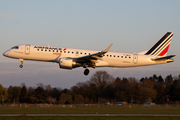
[(21, 65)]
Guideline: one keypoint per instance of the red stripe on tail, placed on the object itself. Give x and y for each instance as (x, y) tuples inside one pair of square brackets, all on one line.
[(164, 51)]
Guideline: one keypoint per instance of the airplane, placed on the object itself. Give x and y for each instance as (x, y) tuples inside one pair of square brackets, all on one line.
[(69, 58)]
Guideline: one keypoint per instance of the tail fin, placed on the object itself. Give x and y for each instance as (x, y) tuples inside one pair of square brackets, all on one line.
[(162, 46)]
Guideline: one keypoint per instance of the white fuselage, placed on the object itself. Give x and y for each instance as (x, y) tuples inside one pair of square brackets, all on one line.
[(53, 54)]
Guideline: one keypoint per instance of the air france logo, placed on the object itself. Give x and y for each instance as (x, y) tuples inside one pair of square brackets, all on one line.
[(54, 49), (49, 48)]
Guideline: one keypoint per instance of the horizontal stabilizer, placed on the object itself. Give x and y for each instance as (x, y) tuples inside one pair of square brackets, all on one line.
[(164, 58)]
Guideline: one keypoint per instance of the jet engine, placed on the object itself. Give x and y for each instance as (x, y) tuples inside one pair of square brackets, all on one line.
[(68, 63)]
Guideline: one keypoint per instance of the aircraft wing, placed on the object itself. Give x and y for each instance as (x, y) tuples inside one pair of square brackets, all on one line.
[(164, 58), (92, 58)]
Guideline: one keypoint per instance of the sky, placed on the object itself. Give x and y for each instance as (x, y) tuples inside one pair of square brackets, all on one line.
[(132, 26)]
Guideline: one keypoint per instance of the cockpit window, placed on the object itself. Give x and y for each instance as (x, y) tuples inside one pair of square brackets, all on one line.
[(15, 47)]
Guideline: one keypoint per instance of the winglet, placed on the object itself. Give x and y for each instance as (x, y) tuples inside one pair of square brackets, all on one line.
[(107, 49)]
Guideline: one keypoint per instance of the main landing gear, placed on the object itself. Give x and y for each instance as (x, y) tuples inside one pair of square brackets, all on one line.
[(21, 65), (86, 71)]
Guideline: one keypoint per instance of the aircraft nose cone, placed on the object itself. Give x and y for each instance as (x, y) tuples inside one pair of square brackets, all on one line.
[(5, 53)]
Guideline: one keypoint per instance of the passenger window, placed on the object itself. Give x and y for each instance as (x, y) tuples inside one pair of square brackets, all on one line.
[(110, 55), (41, 49), (121, 56), (64, 51), (45, 50), (57, 51), (107, 55), (81, 53), (129, 57), (37, 49), (118, 56), (68, 52), (114, 56), (85, 53), (49, 50), (53, 50), (72, 52)]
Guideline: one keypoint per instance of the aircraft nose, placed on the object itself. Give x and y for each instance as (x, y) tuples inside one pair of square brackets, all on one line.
[(5, 53)]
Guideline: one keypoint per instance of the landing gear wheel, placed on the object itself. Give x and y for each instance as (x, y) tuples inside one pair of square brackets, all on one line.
[(86, 71), (21, 66)]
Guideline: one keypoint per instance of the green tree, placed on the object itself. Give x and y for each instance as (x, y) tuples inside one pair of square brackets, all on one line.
[(55, 93), (160, 79), (23, 98), (175, 91), (169, 79), (3, 94), (168, 83), (65, 98), (101, 79), (14, 93), (40, 94), (160, 89)]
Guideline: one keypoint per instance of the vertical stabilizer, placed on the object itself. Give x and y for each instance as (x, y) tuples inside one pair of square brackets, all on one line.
[(162, 46)]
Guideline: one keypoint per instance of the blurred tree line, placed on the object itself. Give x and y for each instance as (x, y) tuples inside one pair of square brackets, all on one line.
[(100, 88)]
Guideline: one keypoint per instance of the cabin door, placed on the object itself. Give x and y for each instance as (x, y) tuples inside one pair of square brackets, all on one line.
[(27, 49), (135, 58)]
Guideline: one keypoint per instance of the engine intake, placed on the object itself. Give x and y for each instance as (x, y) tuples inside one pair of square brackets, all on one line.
[(68, 63)]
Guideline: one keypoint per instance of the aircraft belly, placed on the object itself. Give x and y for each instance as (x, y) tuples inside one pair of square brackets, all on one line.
[(119, 63)]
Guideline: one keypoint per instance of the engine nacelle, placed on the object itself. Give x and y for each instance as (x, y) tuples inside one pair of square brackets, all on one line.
[(68, 63)]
